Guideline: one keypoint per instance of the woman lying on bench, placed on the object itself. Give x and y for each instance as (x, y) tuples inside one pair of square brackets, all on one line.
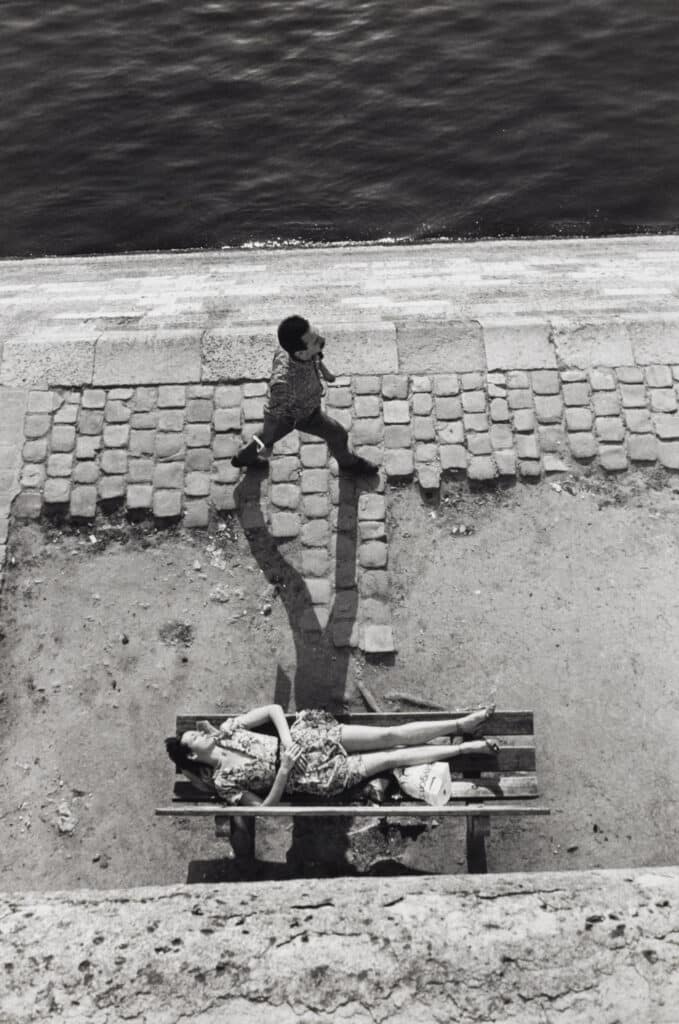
[(316, 755)]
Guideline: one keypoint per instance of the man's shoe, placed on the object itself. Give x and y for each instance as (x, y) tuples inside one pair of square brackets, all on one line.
[(361, 467)]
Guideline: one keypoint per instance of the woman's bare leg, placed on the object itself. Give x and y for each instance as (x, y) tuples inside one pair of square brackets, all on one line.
[(359, 738), (380, 761)]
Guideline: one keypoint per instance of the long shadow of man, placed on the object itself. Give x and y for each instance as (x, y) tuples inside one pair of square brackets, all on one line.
[(321, 665)]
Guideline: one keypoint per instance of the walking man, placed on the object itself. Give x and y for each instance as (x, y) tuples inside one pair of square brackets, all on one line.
[(295, 391)]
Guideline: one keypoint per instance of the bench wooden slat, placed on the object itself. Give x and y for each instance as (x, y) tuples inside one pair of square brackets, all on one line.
[(417, 810), (502, 722)]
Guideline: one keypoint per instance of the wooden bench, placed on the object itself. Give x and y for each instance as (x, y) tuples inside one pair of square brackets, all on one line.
[(484, 786)]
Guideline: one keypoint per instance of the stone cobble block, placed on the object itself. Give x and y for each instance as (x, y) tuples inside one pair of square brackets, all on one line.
[(199, 460), (518, 380), (666, 426), (366, 406), (663, 400), (675, 373), (475, 421), (87, 447), (499, 410), (479, 444), (40, 402), (668, 454), (119, 394), (578, 419), (428, 477), (367, 385), (551, 438), (196, 514), (367, 432), (545, 382), (318, 589), (197, 484), (471, 381), (142, 442), (527, 446), (35, 451), (144, 399), (168, 475), (530, 469), (524, 421), (228, 396), (497, 378), (419, 384), (227, 419), (398, 463), (36, 425), (250, 429), (200, 410), (642, 448), (222, 497), (316, 533), (111, 488), (4, 528), (452, 457), (373, 554), (448, 408), (553, 463), (395, 386), (60, 464), (396, 411), (376, 611), (93, 398), (446, 384), (425, 452), (473, 401), (169, 446), (139, 471), (520, 398), (371, 452), (225, 446), (609, 429), (139, 496), (285, 496), (253, 409), (613, 457), (167, 504), (197, 435), (255, 389), (338, 398), (372, 506), (71, 396), (66, 414), (114, 461), (316, 506), (605, 403), (423, 403), (144, 420), (224, 473), (659, 376), (83, 502), (373, 583), (501, 436), (602, 379), (90, 421), (57, 490), (452, 432), (372, 530), (171, 420), (573, 376), (173, 396), (376, 639), (315, 562), (27, 505), (630, 374), (284, 469), (638, 421), (481, 467), (314, 456), (314, 481), (548, 408), (423, 428), (633, 396), (576, 394), (582, 445), (116, 435), (116, 412), (397, 436), (505, 460), (33, 475)]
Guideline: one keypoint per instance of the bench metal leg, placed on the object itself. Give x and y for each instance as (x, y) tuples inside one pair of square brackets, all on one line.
[(241, 832), (478, 827)]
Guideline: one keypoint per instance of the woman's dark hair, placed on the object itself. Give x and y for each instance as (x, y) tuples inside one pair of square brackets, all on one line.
[(180, 754), (290, 333)]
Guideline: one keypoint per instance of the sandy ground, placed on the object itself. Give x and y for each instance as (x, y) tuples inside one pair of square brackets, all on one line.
[(562, 601)]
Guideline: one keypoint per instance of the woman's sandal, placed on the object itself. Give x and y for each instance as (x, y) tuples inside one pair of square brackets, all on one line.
[(493, 745)]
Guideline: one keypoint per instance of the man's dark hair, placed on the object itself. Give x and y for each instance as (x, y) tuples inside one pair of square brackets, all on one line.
[(290, 333), (180, 754)]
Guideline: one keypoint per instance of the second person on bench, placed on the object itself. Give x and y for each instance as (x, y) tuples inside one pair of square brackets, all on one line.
[(315, 756)]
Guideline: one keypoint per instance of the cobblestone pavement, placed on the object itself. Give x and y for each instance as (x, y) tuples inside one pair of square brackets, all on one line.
[(163, 452)]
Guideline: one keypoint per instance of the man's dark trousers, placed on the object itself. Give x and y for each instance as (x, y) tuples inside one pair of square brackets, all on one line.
[(317, 423)]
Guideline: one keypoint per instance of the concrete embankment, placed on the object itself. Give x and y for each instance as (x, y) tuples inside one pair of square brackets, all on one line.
[(520, 949)]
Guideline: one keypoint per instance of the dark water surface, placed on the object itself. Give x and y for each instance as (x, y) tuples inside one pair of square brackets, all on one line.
[(150, 124)]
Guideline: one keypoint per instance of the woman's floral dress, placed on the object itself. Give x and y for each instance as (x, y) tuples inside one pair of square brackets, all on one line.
[(328, 769)]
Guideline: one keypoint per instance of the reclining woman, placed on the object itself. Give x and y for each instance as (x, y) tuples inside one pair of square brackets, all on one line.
[(316, 756)]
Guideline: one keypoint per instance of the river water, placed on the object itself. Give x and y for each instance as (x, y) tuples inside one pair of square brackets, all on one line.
[(151, 124)]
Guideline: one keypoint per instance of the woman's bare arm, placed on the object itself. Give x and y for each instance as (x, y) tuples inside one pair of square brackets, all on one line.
[(268, 713)]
